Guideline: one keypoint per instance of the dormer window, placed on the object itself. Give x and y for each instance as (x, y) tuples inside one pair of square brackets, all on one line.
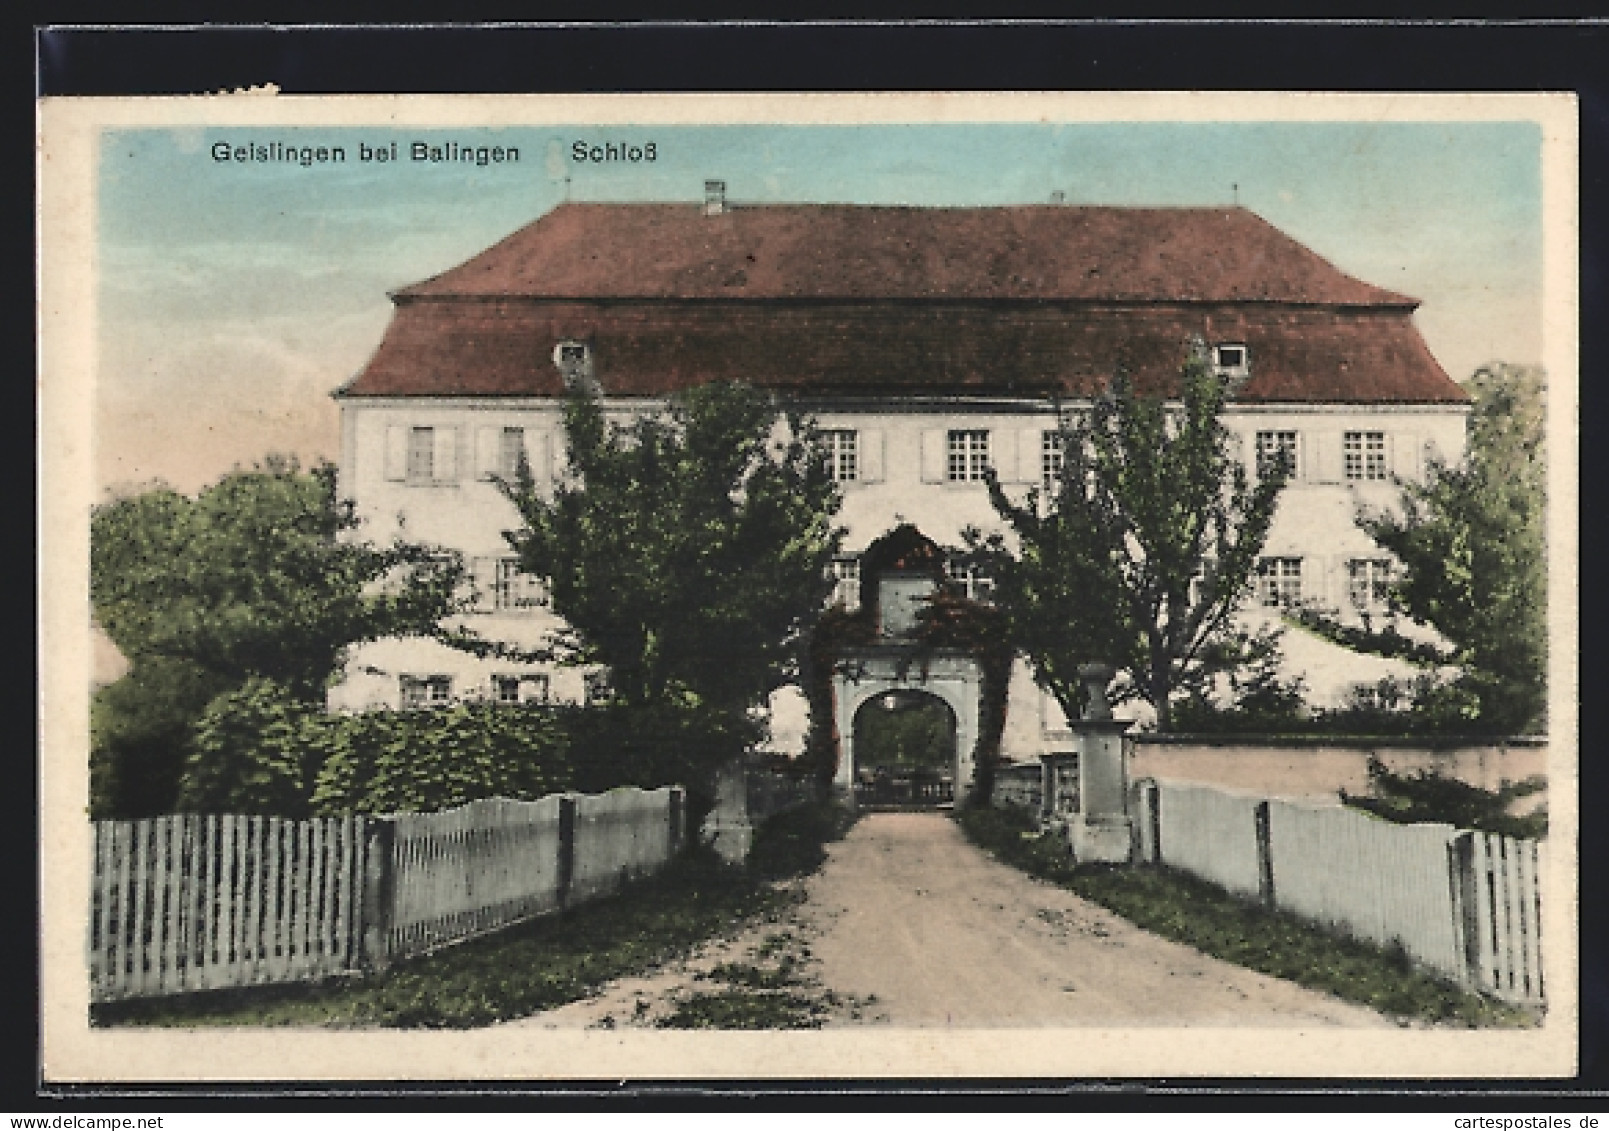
[(1231, 359), (574, 359)]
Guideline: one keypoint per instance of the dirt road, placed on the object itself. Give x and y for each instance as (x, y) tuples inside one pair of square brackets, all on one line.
[(907, 924)]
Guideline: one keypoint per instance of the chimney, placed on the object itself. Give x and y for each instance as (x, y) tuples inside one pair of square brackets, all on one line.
[(714, 198), (1058, 197)]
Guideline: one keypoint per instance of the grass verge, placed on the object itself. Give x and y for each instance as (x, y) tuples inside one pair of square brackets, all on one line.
[(1189, 910), (535, 965)]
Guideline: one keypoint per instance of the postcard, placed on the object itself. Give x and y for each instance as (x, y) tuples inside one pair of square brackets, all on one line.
[(808, 587)]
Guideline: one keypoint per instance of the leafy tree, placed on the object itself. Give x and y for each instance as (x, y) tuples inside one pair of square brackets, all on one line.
[(1471, 541), (687, 551), (140, 735), (1146, 547), (250, 579)]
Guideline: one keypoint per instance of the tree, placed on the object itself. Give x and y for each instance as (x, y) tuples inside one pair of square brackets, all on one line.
[(249, 579), (1146, 549), (1472, 544), (687, 551)]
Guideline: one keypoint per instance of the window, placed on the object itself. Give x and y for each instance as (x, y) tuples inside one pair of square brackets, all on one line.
[(421, 455), (968, 454), (846, 579), (1368, 583), (973, 584), (595, 687), (511, 449), (1052, 457), (843, 454), (1276, 454), (1230, 359), (426, 690), (1382, 696), (570, 355), (1279, 581), (513, 589), (522, 688), (1364, 455)]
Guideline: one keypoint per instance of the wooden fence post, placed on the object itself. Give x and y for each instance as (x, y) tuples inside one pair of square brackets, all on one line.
[(379, 894), (1265, 856), (1465, 890), (567, 805), (678, 815)]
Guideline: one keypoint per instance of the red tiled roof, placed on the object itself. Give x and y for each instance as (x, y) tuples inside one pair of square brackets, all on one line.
[(505, 348), (900, 301), (851, 251)]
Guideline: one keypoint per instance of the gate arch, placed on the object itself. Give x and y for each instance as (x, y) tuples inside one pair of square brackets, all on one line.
[(954, 680), (905, 750)]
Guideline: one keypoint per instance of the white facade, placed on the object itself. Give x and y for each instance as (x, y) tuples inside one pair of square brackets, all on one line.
[(422, 468)]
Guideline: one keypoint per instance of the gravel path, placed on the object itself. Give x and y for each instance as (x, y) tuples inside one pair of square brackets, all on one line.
[(908, 924)]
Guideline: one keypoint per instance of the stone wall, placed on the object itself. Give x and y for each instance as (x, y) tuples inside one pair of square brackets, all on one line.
[(1317, 769)]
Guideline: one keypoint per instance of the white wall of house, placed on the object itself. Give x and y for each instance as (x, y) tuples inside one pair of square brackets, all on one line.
[(423, 469)]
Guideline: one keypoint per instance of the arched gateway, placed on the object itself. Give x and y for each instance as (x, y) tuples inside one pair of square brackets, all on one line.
[(895, 657)]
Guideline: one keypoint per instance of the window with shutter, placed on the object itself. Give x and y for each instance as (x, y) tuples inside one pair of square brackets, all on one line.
[(510, 453), (421, 455)]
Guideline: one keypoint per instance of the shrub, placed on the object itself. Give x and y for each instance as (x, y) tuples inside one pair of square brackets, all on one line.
[(427, 760), (250, 754)]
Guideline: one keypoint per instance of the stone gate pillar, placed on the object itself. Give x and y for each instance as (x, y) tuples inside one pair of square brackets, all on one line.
[(1101, 832), (727, 827)]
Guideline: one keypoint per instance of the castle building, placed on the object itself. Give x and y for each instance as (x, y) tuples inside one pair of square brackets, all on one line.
[(929, 343)]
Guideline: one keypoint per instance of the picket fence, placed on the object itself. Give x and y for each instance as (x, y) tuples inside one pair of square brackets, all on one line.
[(1465, 904), (200, 902), (194, 902)]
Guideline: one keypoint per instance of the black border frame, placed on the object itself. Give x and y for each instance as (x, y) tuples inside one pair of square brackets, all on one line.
[(597, 55)]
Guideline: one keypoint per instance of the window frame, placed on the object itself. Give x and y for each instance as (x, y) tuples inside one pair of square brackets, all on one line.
[(540, 682), (1279, 582), (846, 575), (966, 454), (973, 584), (510, 450), (1052, 459), (513, 589), (1363, 456), (419, 692), (1231, 369), (419, 466), (1375, 587), (1265, 451), (843, 454)]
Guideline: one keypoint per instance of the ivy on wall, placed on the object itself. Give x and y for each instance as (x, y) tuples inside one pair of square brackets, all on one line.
[(950, 623)]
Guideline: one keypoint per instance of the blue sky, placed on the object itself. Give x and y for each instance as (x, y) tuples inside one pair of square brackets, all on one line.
[(234, 297)]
